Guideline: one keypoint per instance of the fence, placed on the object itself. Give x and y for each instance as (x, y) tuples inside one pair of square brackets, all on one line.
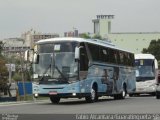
[(28, 88)]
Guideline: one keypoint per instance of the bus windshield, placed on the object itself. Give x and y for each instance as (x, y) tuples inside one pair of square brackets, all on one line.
[(145, 69), (56, 63)]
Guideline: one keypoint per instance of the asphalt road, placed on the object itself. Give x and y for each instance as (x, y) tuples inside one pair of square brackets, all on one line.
[(143, 104)]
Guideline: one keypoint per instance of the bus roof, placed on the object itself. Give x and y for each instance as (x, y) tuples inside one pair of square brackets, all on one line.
[(104, 43), (144, 56)]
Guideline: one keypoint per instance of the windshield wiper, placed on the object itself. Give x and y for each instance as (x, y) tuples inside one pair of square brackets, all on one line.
[(63, 76), (45, 72)]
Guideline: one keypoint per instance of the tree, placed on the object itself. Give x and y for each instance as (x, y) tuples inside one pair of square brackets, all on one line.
[(97, 37), (154, 49), (87, 36), (3, 68), (1, 46), (3, 76), (4, 86), (17, 77), (84, 35)]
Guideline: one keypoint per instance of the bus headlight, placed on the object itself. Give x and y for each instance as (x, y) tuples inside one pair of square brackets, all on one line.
[(153, 86), (36, 95), (74, 94)]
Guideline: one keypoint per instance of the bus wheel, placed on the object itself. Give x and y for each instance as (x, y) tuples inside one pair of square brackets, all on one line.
[(54, 100), (157, 96), (131, 95), (116, 97), (92, 97)]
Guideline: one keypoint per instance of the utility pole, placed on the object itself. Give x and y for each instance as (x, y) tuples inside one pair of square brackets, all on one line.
[(22, 74)]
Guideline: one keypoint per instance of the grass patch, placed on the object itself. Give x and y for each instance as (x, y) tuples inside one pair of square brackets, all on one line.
[(30, 98)]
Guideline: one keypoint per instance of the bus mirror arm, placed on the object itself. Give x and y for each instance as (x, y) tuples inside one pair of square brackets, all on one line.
[(29, 55), (77, 52), (35, 58)]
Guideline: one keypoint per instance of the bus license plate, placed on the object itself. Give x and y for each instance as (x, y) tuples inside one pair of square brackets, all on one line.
[(53, 93)]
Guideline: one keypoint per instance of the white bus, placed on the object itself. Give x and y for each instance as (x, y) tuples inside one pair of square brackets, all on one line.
[(77, 68), (146, 73)]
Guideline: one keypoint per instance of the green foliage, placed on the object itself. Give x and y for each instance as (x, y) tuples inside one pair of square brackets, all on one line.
[(3, 68), (17, 77), (87, 36), (84, 35), (1, 46), (154, 49), (97, 37), (3, 73)]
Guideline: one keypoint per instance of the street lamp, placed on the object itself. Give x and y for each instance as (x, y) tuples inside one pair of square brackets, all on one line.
[(22, 72)]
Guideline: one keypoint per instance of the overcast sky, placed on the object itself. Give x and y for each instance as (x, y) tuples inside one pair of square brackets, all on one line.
[(58, 16)]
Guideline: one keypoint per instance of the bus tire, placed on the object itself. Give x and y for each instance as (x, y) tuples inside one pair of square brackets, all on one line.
[(116, 97), (93, 96), (131, 95), (157, 96), (54, 100)]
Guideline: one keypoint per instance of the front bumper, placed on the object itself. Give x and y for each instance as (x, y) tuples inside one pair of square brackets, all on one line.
[(145, 90)]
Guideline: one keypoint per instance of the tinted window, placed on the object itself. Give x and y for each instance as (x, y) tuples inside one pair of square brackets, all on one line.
[(94, 50), (144, 62), (104, 54), (57, 46), (113, 56), (83, 58)]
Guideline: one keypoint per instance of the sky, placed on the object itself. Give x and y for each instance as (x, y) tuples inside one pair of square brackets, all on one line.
[(59, 16)]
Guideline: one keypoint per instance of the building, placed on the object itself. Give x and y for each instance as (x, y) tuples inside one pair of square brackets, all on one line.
[(131, 41), (32, 36), (71, 33), (26, 41), (14, 46)]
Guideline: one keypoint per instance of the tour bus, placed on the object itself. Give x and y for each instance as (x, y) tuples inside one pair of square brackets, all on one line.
[(146, 74), (81, 68)]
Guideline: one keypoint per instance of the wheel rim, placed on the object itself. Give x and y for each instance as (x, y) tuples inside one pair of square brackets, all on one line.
[(93, 94), (123, 93)]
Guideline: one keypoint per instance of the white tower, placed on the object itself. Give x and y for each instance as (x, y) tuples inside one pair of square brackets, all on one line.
[(102, 25)]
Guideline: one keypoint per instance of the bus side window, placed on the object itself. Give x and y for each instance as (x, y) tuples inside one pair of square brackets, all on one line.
[(116, 56), (121, 58), (83, 58)]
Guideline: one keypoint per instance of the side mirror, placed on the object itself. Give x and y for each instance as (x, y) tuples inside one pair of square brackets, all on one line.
[(26, 55), (35, 58), (77, 53), (29, 55)]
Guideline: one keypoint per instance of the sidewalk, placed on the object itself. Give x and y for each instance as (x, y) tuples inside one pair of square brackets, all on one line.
[(13, 100), (21, 102)]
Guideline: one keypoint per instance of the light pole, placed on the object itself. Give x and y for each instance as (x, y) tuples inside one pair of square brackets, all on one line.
[(22, 74)]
